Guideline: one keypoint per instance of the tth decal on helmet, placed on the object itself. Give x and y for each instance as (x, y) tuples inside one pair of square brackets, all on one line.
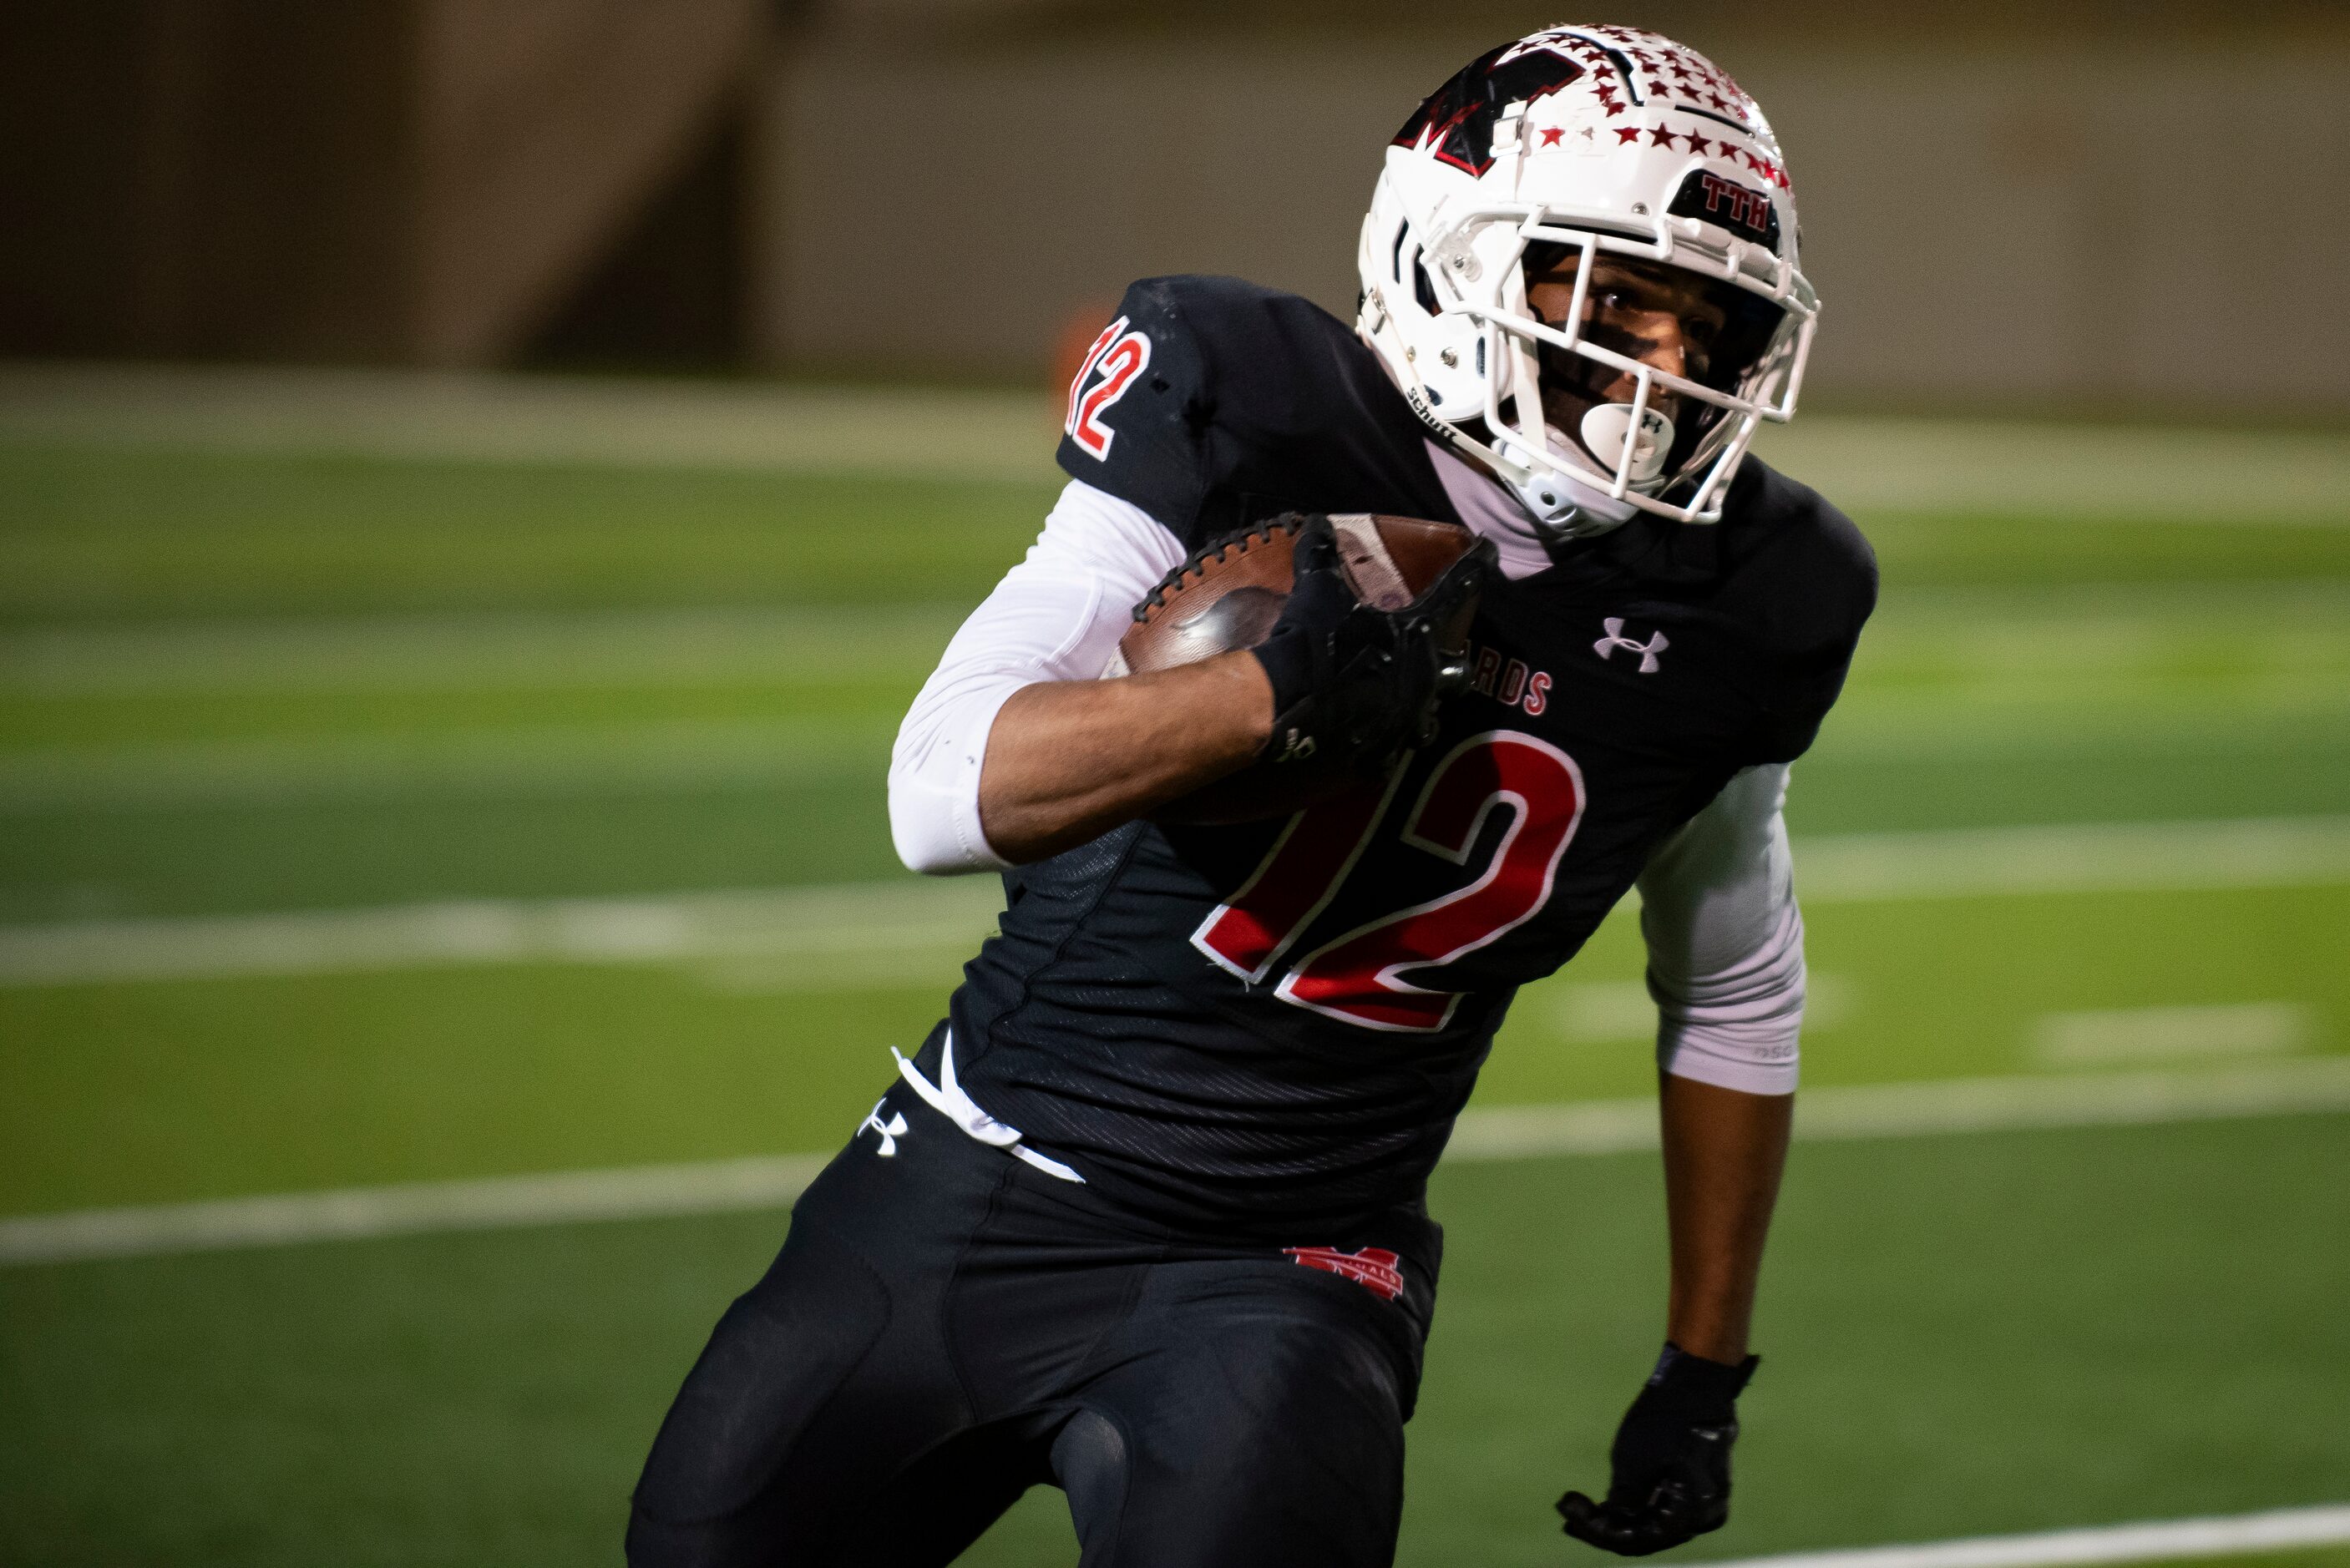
[(1718, 200)]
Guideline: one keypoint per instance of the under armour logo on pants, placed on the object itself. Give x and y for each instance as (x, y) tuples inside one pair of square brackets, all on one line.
[(890, 1131)]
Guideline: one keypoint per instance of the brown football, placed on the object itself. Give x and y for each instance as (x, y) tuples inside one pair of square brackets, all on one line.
[(1229, 596)]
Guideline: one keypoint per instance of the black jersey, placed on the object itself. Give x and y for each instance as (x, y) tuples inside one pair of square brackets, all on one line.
[(1272, 1026)]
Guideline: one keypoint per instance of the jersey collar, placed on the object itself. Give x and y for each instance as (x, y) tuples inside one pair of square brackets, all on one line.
[(1646, 547)]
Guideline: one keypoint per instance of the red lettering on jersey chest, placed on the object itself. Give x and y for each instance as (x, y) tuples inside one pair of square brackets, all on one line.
[(1510, 681)]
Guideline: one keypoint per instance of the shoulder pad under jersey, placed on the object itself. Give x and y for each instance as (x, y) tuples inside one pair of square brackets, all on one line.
[(1808, 577), (1209, 402)]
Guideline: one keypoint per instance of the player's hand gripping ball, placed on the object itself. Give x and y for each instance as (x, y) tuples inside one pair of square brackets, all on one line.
[(1362, 625), (1671, 1460)]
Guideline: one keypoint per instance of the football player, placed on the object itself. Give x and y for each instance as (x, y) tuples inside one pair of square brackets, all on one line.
[(1143, 1217)]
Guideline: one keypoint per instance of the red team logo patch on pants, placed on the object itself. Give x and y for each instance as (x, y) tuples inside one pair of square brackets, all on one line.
[(1373, 1268)]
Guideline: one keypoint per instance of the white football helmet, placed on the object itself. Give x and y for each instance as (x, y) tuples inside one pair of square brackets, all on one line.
[(1601, 141)]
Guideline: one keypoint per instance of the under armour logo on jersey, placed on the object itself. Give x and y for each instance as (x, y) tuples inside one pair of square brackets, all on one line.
[(891, 1130), (1606, 646)]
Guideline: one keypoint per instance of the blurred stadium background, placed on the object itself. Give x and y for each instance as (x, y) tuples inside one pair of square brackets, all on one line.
[(480, 479)]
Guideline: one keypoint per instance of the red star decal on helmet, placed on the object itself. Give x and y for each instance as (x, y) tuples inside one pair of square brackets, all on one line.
[(1551, 135), (1754, 164), (1626, 133), (1698, 144), (1659, 136), (1612, 106)]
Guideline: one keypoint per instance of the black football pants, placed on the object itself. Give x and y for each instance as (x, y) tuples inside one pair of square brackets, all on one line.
[(947, 1326)]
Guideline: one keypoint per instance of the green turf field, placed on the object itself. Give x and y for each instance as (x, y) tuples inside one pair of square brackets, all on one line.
[(286, 686)]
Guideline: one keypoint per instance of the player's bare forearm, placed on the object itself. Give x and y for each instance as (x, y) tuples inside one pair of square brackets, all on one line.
[(1067, 761), (1724, 1151)]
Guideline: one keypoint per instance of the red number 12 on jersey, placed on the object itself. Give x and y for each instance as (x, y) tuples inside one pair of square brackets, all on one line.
[(1357, 976), (1118, 359)]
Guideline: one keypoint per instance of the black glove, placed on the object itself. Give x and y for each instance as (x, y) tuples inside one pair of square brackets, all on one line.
[(1671, 1460), (1352, 685)]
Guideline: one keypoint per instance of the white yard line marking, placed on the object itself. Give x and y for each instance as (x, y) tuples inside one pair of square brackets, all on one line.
[(813, 934), (2280, 1530), (468, 417), (415, 1209), (2129, 1035), (1503, 1133), (2071, 471), (686, 753), (507, 650), (1598, 1011), (1919, 1110), (2277, 635), (817, 938), (2076, 857), (563, 760), (1865, 463)]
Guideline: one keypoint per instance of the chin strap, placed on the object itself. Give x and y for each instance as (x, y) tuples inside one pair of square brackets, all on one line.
[(1562, 506), (1553, 506), (1558, 514)]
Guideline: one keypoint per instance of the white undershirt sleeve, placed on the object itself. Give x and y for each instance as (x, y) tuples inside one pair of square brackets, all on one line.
[(1726, 940), (1057, 616)]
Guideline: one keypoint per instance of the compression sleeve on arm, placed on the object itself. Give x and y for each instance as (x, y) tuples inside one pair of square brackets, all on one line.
[(1726, 940), (1057, 616)]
